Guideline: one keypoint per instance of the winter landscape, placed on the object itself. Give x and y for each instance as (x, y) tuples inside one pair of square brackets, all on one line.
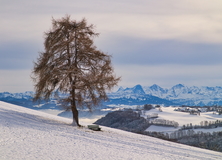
[(176, 96), (135, 80), (124, 99), (33, 135)]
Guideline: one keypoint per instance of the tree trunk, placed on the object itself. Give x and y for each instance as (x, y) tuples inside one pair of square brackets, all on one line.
[(75, 114)]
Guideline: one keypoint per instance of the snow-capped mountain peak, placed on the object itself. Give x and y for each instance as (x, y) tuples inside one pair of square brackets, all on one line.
[(178, 89), (178, 94), (155, 87), (178, 86), (138, 89), (155, 90), (120, 89)]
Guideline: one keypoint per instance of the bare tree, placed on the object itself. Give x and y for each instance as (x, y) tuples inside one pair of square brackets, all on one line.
[(71, 64)]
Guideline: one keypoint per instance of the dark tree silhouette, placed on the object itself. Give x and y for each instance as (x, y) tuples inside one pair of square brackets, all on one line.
[(71, 64)]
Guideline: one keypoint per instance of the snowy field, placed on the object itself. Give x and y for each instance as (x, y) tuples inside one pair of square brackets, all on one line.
[(27, 134), (183, 118)]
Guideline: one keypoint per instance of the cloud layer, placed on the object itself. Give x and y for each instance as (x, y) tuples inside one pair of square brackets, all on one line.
[(164, 42)]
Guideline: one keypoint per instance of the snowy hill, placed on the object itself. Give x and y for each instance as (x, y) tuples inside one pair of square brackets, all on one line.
[(29, 134)]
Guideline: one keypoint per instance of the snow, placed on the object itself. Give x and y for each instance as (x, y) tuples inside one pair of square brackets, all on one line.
[(183, 118), (29, 134), (51, 111), (154, 128)]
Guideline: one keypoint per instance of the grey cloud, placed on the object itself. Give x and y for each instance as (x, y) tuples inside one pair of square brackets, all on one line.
[(169, 75), (151, 35), (129, 50), (18, 55)]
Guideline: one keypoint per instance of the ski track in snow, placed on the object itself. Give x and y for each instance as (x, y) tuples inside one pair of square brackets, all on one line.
[(27, 134)]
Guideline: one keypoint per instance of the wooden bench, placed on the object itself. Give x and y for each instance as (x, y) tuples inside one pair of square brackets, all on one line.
[(94, 127)]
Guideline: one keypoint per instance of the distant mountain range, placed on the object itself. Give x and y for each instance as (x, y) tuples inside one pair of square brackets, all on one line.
[(137, 95), (177, 95)]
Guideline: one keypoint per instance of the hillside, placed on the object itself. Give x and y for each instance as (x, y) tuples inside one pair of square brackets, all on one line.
[(29, 134), (201, 130)]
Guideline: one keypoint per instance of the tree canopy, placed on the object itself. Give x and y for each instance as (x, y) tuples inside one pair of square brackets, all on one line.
[(73, 65)]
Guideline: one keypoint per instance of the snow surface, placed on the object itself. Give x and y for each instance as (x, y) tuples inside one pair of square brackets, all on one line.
[(183, 118), (27, 134)]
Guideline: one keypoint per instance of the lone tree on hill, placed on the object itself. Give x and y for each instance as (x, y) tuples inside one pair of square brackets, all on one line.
[(71, 64)]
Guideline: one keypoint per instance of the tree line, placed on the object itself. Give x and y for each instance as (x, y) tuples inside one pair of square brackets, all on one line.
[(203, 124), (211, 141)]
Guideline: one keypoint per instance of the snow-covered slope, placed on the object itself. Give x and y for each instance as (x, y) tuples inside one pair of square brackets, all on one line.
[(183, 118), (28, 134)]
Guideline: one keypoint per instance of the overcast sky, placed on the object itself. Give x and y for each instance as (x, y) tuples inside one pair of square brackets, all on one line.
[(162, 42)]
